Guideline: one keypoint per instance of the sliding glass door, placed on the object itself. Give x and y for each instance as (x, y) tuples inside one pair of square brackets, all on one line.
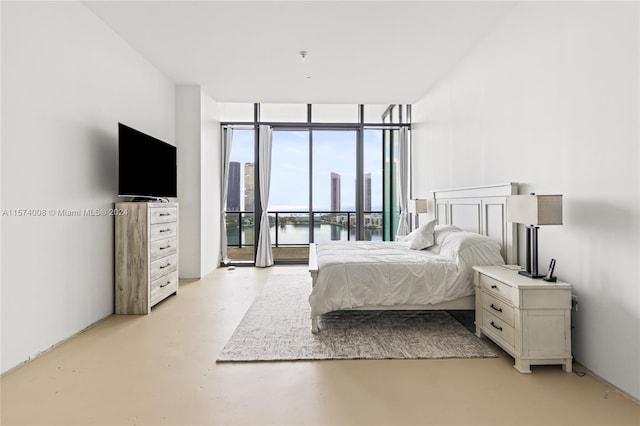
[(333, 178), (314, 189)]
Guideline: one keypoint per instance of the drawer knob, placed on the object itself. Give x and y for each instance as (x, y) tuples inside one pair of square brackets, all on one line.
[(497, 327), (165, 230), (164, 285), (494, 286), (165, 214), (495, 308), (165, 266), (165, 247)]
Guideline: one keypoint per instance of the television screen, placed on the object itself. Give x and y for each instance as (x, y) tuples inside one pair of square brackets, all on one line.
[(146, 166)]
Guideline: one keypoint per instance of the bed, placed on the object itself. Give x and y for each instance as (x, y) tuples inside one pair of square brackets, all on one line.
[(469, 228)]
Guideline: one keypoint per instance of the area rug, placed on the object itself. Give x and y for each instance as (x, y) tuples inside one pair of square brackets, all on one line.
[(277, 327)]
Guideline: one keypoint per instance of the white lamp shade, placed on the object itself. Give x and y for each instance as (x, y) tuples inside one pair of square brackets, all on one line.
[(418, 206), (535, 209)]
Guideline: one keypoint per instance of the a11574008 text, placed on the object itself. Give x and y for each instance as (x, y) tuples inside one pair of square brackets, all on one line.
[(63, 212)]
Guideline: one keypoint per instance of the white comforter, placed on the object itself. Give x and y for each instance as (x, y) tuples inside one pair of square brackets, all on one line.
[(377, 273)]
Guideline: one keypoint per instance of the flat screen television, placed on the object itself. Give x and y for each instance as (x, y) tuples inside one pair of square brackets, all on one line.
[(147, 167)]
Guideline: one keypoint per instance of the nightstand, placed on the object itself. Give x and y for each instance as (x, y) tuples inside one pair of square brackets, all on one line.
[(528, 318)]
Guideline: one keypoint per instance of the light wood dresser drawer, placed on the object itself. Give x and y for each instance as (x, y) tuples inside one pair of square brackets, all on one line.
[(164, 286), (163, 266), (162, 248), (497, 307), (159, 231), (163, 214)]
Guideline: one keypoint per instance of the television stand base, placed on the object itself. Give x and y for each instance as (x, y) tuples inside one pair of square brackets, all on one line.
[(149, 200)]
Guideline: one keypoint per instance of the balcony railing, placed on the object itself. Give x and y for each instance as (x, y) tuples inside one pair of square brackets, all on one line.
[(291, 228)]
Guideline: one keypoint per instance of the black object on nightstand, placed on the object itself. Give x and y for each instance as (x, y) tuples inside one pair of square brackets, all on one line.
[(550, 278)]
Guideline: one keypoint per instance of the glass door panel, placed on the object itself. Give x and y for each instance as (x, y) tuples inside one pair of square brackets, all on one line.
[(289, 195), (240, 198), (372, 185), (334, 184)]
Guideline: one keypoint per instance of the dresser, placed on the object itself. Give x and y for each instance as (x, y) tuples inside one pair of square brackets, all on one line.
[(146, 255), (528, 318)]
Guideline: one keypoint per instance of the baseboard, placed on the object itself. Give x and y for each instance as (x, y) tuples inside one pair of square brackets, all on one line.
[(606, 382), (39, 354)]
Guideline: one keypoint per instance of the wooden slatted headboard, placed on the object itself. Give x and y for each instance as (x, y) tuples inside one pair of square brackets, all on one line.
[(480, 209)]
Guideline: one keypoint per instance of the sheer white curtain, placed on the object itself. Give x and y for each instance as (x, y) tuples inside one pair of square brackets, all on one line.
[(403, 182), (227, 138), (264, 254)]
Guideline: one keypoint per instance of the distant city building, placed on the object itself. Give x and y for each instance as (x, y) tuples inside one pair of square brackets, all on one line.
[(371, 220), (233, 187), (248, 187), (335, 192), (367, 192)]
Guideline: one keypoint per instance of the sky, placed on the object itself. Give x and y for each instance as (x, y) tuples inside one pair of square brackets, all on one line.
[(334, 151)]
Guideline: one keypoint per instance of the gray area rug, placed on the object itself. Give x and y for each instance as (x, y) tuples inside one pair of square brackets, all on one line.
[(277, 327)]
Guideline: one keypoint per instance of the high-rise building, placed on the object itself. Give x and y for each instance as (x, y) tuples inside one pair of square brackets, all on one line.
[(335, 192), (367, 192), (248, 187), (233, 187)]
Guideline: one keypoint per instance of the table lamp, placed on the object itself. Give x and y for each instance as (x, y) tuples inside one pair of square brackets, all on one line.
[(533, 210), (418, 206)]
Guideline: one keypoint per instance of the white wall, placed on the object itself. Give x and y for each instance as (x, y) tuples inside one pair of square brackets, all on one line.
[(210, 189), (550, 99), (198, 140), (188, 142), (67, 80)]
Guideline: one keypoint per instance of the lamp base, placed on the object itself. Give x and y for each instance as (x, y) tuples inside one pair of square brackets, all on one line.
[(530, 275)]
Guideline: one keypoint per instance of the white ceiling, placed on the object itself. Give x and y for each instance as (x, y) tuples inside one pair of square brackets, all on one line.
[(359, 51)]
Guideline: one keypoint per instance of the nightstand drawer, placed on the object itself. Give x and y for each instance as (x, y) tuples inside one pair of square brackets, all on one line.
[(496, 287), (496, 326), (497, 307)]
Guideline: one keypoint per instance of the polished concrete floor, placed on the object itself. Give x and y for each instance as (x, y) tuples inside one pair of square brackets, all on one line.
[(160, 369)]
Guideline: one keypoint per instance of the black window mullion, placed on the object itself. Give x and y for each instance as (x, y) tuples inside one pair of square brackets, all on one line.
[(311, 215), (360, 176), (257, 205)]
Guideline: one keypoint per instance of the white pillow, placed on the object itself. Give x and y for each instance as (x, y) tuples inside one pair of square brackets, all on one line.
[(471, 248), (422, 237)]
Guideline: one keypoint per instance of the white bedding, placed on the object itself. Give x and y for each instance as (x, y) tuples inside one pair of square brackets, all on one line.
[(383, 273)]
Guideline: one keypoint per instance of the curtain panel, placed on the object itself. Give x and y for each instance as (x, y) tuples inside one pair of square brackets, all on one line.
[(403, 182), (264, 253), (227, 139)]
